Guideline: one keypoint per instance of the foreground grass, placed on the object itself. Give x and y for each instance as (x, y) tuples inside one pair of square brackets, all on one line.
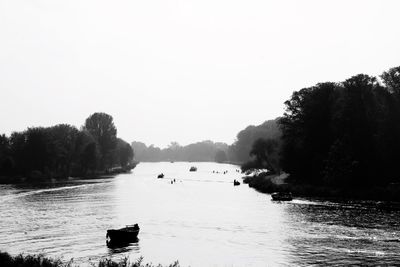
[(6, 260)]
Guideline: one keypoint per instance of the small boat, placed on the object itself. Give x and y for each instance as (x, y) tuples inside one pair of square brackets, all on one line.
[(282, 196), (193, 169), (160, 175), (126, 234), (236, 182)]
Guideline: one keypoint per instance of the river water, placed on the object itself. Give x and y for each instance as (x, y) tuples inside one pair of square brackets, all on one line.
[(201, 220)]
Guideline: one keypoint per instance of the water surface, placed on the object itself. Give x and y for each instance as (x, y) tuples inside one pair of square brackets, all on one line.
[(201, 220)]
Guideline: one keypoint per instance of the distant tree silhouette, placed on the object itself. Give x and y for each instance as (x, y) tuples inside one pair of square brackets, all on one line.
[(265, 155), (200, 151), (123, 153), (220, 156), (62, 150), (240, 149), (102, 128)]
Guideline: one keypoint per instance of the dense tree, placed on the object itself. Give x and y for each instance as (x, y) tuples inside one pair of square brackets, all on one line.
[(102, 128), (240, 149), (61, 143), (391, 79), (306, 130), (6, 163), (89, 158), (123, 153), (265, 155), (62, 150), (343, 134)]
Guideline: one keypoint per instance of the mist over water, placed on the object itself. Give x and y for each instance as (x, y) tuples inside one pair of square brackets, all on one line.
[(201, 220)]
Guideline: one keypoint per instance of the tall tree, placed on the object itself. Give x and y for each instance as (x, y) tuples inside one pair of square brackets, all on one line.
[(102, 128), (306, 131)]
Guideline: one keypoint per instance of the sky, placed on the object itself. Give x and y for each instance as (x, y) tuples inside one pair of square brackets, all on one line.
[(185, 70)]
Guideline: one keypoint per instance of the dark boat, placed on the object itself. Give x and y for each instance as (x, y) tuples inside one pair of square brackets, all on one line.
[(127, 234), (193, 169), (236, 182), (160, 175), (282, 196)]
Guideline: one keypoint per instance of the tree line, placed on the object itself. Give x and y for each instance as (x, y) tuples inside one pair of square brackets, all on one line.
[(200, 151), (238, 152), (62, 150), (338, 134)]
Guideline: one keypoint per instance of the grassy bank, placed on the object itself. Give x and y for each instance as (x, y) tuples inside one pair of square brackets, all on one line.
[(6, 260), (265, 184)]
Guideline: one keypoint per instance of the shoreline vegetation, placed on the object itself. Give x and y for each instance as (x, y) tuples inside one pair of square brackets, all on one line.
[(337, 140), (40, 177), (268, 183), (62, 151), (6, 260)]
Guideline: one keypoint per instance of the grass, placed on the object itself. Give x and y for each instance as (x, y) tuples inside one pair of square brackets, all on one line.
[(6, 260)]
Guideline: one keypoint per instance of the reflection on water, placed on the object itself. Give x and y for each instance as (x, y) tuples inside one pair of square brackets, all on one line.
[(200, 220), (122, 247)]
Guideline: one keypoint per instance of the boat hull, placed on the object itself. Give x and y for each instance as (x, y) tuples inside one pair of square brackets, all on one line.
[(116, 235), (127, 234)]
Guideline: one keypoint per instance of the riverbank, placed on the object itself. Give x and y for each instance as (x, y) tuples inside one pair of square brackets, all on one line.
[(39, 177), (269, 183), (6, 260)]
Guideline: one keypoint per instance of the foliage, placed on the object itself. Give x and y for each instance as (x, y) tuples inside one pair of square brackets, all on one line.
[(391, 79), (240, 149), (343, 133), (62, 150), (201, 151), (102, 128), (28, 261), (265, 156), (6, 260), (220, 156), (123, 153)]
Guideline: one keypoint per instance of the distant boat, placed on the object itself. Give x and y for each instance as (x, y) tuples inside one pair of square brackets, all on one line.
[(160, 175), (282, 196), (236, 182), (126, 234), (193, 169)]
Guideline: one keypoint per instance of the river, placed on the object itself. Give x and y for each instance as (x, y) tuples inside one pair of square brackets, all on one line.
[(200, 220)]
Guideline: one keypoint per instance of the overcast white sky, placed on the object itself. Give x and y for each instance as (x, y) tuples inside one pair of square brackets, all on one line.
[(181, 70)]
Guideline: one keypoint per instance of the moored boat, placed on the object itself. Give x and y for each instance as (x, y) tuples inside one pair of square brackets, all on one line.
[(193, 169), (282, 196), (160, 175), (126, 234)]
